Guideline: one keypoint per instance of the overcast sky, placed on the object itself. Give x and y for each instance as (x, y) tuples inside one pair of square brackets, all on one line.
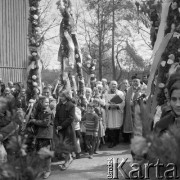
[(50, 51)]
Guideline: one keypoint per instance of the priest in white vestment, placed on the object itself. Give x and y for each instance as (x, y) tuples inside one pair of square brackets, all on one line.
[(114, 112)]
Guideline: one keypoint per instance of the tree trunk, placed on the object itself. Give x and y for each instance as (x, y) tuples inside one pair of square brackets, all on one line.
[(100, 41), (113, 28)]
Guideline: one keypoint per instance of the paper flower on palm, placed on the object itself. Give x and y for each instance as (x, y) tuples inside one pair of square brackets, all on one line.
[(94, 61), (88, 65), (93, 68), (79, 64), (174, 5), (81, 80), (89, 57), (33, 41), (34, 54), (171, 56), (34, 77), (35, 84), (35, 22), (38, 29), (170, 61), (23, 150), (35, 17), (31, 101), (92, 75), (33, 8), (163, 63), (37, 44), (161, 85)]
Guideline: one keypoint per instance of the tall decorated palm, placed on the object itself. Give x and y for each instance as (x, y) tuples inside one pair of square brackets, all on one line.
[(166, 55), (35, 41), (69, 53)]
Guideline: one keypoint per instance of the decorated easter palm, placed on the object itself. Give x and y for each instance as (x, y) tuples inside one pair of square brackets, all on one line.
[(69, 53), (35, 41), (167, 57)]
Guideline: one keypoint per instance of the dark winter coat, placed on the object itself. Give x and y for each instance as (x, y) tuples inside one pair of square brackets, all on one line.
[(166, 122), (65, 116), (44, 124)]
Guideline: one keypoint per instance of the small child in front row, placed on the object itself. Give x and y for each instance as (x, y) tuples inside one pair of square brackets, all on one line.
[(92, 126), (101, 131), (77, 127), (83, 130), (44, 123)]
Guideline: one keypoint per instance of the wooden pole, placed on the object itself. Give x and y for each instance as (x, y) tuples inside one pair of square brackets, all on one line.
[(113, 29)]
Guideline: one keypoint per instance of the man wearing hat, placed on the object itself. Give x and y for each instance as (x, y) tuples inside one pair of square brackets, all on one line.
[(131, 124)]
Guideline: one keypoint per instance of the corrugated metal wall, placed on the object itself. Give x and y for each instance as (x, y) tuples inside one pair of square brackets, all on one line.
[(13, 40)]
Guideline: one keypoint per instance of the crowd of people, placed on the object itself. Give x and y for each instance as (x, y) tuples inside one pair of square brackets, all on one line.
[(107, 116)]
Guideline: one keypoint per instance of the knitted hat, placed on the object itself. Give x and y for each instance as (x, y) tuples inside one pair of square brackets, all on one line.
[(90, 104)]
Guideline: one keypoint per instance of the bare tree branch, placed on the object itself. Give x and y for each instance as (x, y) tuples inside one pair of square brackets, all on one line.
[(117, 54), (45, 9), (149, 45), (49, 27), (51, 38)]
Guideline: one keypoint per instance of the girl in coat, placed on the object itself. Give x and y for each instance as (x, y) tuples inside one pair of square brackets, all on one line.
[(44, 123)]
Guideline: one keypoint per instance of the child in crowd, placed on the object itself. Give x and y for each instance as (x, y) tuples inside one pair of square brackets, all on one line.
[(92, 126), (44, 123), (83, 130), (77, 127), (101, 132)]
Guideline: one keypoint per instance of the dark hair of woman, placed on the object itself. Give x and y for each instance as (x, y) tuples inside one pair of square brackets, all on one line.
[(173, 83), (42, 98)]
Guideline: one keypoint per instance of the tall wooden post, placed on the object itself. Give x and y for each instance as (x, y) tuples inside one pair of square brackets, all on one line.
[(113, 29)]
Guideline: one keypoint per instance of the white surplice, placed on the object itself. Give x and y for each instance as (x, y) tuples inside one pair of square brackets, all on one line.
[(114, 117)]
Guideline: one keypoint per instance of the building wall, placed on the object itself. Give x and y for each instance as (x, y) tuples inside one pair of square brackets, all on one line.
[(13, 40)]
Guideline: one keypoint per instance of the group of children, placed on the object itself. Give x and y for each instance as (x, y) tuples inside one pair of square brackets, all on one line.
[(89, 127), (88, 123)]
